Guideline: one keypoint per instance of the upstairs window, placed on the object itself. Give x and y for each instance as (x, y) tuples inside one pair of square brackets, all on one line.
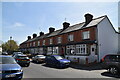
[(86, 35), (27, 45), (30, 44), (33, 43), (43, 42), (59, 39), (70, 37), (51, 41), (38, 43)]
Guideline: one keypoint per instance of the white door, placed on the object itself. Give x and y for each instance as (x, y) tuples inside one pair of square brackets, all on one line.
[(92, 56)]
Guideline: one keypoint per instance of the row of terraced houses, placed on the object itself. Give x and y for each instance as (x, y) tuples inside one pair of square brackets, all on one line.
[(84, 42)]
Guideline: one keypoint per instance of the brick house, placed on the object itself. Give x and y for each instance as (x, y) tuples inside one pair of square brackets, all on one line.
[(84, 43)]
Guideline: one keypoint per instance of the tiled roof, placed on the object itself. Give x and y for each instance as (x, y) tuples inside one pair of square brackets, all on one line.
[(94, 22), (81, 25), (54, 33)]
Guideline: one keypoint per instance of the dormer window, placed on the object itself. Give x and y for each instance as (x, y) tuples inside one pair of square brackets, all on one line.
[(86, 35), (70, 37)]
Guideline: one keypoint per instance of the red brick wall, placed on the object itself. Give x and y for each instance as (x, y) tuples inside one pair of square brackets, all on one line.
[(77, 37)]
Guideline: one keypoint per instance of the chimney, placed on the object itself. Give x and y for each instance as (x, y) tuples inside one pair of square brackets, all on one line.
[(29, 37), (51, 30), (34, 35), (65, 25), (41, 33), (88, 18)]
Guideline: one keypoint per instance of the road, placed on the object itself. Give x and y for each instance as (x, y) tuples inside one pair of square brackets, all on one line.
[(43, 71)]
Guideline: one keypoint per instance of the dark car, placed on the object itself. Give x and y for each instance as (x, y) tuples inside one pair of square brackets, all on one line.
[(22, 60), (57, 61), (112, 63), (10, 69), (4, 53)]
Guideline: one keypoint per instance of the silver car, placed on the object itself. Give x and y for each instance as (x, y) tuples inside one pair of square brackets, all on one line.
[(38, 58)]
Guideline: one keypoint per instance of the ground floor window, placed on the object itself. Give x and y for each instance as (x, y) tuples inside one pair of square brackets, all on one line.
[(55, 50), (49, 50), (70, 50), (41, 50), (80, 49), (32, 51)]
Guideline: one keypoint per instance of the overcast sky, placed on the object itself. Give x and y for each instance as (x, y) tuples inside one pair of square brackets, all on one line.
[(22, 19)]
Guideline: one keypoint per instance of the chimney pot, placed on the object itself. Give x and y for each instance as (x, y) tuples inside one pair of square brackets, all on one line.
[(34, 35), (65, 25), (51, 29), (29, 37), (41, 33), (88, 18)]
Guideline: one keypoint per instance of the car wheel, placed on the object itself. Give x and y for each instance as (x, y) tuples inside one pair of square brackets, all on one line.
[(27, 65), (113, 70), (37, 61)]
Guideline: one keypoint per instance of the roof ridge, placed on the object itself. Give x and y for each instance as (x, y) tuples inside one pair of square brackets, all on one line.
[(92, 19)]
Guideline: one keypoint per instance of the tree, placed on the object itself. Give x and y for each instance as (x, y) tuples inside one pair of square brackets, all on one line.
[(10, 46)]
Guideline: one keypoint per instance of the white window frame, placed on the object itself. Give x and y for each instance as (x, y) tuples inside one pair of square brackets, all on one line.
[(49, 50), (51, 41), (41, 50), (38, 43), (43, 42), (55, 50), (70, 37), (33, 43), (86, 35), (70, 50), (59, 39), (81, 49)]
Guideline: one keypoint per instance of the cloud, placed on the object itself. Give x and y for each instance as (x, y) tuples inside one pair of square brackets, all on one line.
[(17, 25)]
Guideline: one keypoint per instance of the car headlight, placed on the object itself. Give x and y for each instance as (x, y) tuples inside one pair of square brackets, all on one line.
[(0, 71), (20, 70)]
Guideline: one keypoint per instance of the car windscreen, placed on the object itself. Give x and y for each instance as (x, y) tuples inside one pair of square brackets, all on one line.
[(58, 57), (7, 60), (22, 57), (41, 56)]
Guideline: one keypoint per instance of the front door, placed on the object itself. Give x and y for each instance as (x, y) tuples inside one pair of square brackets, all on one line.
[(93, 56)]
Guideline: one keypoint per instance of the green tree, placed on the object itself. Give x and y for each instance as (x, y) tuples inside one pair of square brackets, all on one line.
[(10, 46)]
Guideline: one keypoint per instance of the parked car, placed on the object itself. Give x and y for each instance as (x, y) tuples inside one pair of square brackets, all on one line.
[(22, 60), (57, 61), (10, 70), (4, 53), (39, 58), (112, 63), (16, 53)]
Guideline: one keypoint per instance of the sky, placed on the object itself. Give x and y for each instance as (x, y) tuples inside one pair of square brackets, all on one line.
[(22, 19)]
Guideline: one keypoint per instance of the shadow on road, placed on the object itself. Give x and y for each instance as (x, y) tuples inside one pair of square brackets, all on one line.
[(51, 66), (107, 74), (37, 62), (86, 67)]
